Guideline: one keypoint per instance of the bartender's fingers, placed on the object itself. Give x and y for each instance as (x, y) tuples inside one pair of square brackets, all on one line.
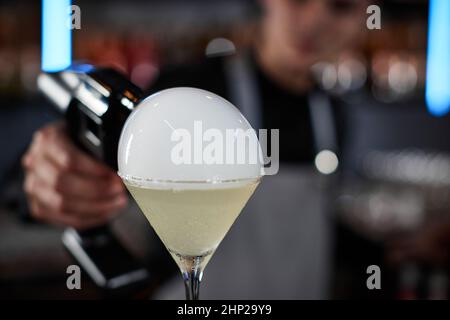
[(47, 205), (32, 152), (62, 219), (88, 208), (53, 142), (76, 206), (76, 185)]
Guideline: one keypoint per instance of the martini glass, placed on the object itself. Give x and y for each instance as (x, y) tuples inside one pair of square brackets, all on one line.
[(190, 205), (191, 218)]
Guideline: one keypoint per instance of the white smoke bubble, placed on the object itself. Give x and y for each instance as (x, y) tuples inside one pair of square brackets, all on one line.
[(183, 134)]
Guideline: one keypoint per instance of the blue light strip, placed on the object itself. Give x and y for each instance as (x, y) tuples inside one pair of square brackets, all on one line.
[(56, 35), (438, 60)]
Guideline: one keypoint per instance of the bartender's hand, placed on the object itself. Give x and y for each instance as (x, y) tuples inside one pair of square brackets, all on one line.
[(65, 186)]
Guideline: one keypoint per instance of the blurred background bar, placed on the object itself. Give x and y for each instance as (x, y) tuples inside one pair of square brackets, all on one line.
[(396, 171)]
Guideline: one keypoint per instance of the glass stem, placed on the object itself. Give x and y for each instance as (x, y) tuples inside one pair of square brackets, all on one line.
[(192, 284)]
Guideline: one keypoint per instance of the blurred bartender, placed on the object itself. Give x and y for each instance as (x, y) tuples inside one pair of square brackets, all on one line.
[(279, 248)]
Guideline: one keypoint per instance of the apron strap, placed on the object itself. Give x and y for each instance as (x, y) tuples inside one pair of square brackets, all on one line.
[(243, 88), (322, 122)]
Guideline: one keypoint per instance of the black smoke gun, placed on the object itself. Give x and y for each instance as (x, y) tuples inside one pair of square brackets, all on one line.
[(96, 103)]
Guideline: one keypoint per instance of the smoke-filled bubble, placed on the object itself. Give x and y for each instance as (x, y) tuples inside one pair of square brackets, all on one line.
[(188, 134)]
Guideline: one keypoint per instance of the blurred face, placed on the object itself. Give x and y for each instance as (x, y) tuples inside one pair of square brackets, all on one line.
[(303, 32)]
